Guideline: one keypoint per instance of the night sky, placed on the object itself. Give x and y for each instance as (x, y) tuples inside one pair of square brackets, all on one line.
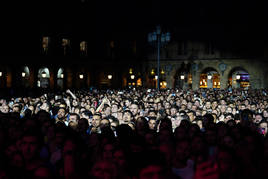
[(25, 21)]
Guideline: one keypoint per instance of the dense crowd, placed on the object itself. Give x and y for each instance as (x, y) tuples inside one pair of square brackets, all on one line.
[(135, 134)]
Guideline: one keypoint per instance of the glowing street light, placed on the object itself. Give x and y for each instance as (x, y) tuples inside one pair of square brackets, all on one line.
[(110, 77), (23, 74), (1, 73), (182, 77), (130, 71), (238, 77), (44, 75), (209, 76), (81, 76), (62, 75), (132, 77), (160, 38)]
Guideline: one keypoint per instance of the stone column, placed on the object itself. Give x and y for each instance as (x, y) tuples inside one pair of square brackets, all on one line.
[(255, 83), (224, 81), (53, 78), (170, 81), (195, 80)]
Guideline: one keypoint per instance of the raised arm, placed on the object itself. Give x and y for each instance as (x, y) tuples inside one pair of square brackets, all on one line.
[(69, 92), (104, 101)]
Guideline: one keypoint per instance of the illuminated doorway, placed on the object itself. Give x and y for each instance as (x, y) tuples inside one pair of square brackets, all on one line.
[(210, 78), (60, 78), (238, 78), (43, 78), (25, 75)]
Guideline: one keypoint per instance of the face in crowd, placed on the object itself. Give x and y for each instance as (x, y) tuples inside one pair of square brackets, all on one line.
[(134, 109), (96, 120), (127, 117), (5, 109), (61, 114)]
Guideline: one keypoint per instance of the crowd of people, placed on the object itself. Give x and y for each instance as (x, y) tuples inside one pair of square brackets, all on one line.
[(135, 134)]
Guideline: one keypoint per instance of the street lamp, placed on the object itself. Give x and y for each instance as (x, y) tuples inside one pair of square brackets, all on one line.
[(62, 75), (44, 74), (23, 74), (161, 39), (81, 76), (209, 76), (1, 73), (238, 77), (110, 77), (132, 77), (182, 77)]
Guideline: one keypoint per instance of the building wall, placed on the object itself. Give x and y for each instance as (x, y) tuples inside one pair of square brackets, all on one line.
[(255, 68), (204, 54)]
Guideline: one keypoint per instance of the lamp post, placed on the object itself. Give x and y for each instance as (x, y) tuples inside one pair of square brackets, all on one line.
[(161, 39), (132, 77), (110, 77), (209, 76), (23, 74), (44, 75), (238, 77)]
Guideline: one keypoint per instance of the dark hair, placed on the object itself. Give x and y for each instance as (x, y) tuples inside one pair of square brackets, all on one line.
[(128, 111), (229, 114), (87, 113), (75, 114), (245, 115)]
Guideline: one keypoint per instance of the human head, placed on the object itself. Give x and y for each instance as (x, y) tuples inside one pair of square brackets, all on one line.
[(134, 108)]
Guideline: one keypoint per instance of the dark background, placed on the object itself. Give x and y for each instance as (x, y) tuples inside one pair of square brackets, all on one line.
[(243, 23)]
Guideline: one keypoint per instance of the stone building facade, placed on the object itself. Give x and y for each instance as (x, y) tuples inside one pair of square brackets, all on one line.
[(199, 61)]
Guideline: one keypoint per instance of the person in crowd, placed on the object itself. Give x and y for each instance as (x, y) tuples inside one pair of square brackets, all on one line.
[(135, 134)]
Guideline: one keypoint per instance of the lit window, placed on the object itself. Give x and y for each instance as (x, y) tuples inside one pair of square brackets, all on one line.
[(203, 81), (65, 45), (83, 48), (65, 42), (152, 72), (45, 44), (139, 83), (163, 84), (190, 79)]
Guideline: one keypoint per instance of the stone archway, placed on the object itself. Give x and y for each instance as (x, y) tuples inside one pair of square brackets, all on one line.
[(238, 77), (183, 76), (25, 76), (60, 78), (209, 78), (43, 77)]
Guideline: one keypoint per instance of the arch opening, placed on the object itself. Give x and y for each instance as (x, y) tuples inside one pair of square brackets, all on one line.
[(238, 78), (210, 78)]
